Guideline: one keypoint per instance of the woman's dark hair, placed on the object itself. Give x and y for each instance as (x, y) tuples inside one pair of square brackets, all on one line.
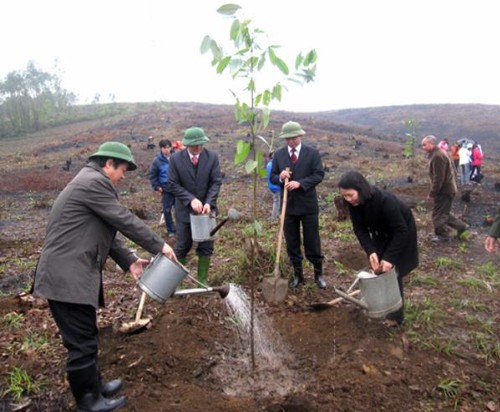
[(101, 161), (355, 180)]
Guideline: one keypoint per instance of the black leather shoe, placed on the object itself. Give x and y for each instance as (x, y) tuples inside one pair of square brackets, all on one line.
[(295, 282), (111, 388), (320, 282)]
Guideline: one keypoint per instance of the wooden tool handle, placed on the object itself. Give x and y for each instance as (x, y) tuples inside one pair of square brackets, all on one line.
[(141, 307), (280, 233)]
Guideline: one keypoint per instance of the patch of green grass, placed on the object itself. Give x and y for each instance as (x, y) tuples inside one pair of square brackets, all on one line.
[(445, 262), (491, 271), (420, 207), (345, 236), (486, 345), (38, 342), (422, 315), (423, 280), (19, 264), (20, 383), (448, 346), (340, 268), (14, 320), (451, 389), (472, 283)]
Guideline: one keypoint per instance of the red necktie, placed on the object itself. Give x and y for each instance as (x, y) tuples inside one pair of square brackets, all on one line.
[(293, 156), (194, 160)]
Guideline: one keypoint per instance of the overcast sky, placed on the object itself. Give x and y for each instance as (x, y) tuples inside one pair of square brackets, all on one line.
[(370, 52)]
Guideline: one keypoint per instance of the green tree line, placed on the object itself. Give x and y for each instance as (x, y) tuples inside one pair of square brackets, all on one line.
[(31, 100)]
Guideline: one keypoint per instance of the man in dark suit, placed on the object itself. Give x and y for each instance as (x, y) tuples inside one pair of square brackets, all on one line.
[(195, 180), (305, 172)]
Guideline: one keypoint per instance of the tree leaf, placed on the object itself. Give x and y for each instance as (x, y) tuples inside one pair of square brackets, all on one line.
[(206, 44), (282, 66), (250, 166), (228, 9), (242, 151), (235, 30), (223, 64)]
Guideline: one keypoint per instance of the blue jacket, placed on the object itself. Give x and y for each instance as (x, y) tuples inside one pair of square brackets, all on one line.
[(272, 187), (158, 175)]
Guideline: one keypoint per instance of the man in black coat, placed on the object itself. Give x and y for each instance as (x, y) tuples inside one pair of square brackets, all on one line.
[(195, 180), (301, 164)]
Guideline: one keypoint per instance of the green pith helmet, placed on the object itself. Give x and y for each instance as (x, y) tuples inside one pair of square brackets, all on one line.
[(194, 136), (116, 150), (291, 129)]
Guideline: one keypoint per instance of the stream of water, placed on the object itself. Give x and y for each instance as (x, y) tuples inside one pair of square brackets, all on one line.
[(271, 375)]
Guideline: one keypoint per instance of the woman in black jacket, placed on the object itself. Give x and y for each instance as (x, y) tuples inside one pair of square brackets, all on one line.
[(385, 228)]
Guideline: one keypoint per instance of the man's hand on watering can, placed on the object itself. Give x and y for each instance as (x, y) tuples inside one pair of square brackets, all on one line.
[(169, 252), (137, 267), (206, 209), (197, 206)]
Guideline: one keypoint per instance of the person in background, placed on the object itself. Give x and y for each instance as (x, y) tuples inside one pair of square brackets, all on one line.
[(476, 161), (491, 241), (442, 192), (274, 189), (151, 143), (195, 180), (81, 234), (443, 145), (385, 228), (463, 161), (158, 177), (454, 155), (177, 146), (306, 172)]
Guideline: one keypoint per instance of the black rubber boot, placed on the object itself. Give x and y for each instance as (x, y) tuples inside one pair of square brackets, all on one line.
[(92, 402), (85, 387), (318, 275), (109, 388), (298, 276)]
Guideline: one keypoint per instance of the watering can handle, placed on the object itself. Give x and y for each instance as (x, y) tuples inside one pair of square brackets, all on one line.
[(351, 299)]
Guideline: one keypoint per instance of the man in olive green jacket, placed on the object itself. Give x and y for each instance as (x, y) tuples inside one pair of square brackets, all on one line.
[(443, 190), (81, 234)]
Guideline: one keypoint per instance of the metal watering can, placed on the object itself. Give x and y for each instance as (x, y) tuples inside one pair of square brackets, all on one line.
[(380, 293), (162, 276)]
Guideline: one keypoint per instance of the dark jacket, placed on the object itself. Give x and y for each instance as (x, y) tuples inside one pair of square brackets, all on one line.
[(186, 182), (80, 235), (308, 170), (385, 225), (158, 175)]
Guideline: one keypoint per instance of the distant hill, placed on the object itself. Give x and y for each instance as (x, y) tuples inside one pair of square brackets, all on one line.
[(455, 121)]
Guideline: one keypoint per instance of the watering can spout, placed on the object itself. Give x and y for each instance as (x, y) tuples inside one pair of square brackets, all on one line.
[(222, 290), (351, 299)]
